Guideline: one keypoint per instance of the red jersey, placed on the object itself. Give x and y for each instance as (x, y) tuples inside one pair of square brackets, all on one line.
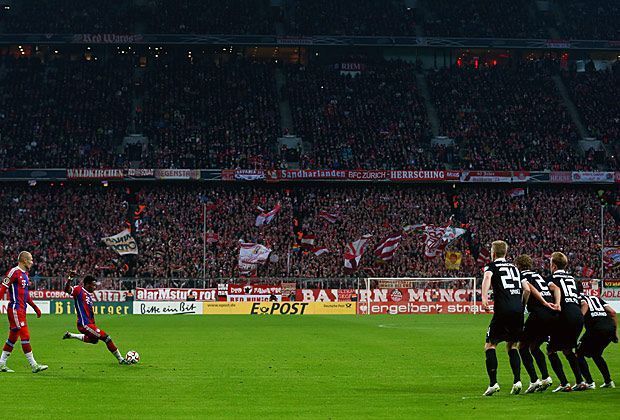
[(17, 283), (83, 305)]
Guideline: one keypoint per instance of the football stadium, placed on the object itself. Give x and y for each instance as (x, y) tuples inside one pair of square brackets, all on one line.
[(322, 209)]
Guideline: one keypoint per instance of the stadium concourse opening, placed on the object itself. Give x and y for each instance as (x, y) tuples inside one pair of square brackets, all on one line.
[(447, 168)]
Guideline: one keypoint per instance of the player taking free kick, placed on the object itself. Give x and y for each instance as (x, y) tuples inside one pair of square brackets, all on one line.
[(90, 333), (17, 283)]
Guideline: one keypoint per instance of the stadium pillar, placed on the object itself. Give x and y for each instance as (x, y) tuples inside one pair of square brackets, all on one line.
[(204, 241)]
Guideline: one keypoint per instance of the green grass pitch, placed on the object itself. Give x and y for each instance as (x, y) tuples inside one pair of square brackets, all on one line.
[(429, 366)]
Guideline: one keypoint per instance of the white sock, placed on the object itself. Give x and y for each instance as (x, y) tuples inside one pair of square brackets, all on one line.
[(5, 356), (118, 355), (30, 358), (77, 336)]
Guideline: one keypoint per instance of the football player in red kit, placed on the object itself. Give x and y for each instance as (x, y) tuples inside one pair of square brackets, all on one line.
[(17, 283), (89, 331)]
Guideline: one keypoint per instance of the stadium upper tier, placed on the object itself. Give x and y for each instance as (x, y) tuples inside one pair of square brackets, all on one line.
[(575, 19), (542, 220), (224, 112)]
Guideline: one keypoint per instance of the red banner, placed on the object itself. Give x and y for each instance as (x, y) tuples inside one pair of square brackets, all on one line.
[(363, 175), (385, 295), (175, 294), (98, 295), (410, 308)]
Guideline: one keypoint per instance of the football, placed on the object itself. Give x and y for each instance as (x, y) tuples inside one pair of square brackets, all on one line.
[(132, 357)]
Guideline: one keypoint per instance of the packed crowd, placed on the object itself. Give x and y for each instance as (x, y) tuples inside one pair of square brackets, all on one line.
[(481, 18), (591, 19), (203, 114), (64, 113), (362, 17), (596, 93), (70, 16), (576, 19), (170, 239), (251, 17), (516, 106), (373, 117)]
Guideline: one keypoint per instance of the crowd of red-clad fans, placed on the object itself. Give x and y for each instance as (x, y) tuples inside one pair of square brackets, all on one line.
[(221, 111), (206, 114), (64, 113), (516, 106), (170, 239), (596, 93), (373, 117), (574, 19)]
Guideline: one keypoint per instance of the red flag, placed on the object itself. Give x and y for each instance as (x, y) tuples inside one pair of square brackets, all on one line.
[(353, 253), (388, 246), (307, 241), (484, 257), (329, 217)]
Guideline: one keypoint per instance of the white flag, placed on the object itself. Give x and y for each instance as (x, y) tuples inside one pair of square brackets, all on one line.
[(123, 243)]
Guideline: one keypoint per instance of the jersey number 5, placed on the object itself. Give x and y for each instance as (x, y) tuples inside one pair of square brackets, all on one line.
[(510, 278)]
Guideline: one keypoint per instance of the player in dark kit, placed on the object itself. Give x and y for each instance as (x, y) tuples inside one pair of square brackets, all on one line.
[(570, 323), (540, 322), (601, 329), (507, 322), (90, 332)]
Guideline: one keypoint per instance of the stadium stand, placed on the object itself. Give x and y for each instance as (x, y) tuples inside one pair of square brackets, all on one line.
[(170, 240)]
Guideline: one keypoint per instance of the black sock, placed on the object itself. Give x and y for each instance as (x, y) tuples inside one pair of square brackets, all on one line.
[(491, 366), (515, 364), (602, 366), (528, 363), (539, 356), (574, 365), (585, 370), (556, 365)]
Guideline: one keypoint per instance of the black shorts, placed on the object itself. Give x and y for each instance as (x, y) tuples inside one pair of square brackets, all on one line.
[(593, 343), (505, 327), (538, 327), (566, 331)]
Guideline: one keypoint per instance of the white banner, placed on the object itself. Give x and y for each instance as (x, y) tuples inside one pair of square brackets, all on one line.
[(167, 308), (123, 243), (44, 306), (174, 294)]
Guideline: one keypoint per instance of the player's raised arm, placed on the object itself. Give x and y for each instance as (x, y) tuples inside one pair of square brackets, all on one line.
[(68, 286)]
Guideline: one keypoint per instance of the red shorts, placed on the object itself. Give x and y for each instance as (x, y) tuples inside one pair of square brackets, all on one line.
[(92, 332), (17, 318)]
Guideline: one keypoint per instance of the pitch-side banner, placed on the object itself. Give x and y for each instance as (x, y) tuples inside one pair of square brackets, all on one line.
[(167, 294), (279, 308), (410, 308), (123, 243), (98, 295), (167, 308), (43, 305), (384, 295)]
